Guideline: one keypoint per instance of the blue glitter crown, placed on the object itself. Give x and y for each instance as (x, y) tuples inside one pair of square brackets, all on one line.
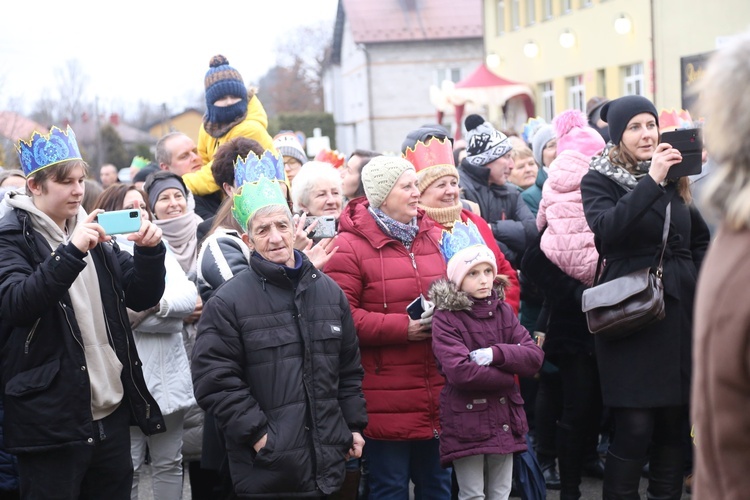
[(43, 151), (463, 235), (252, 168)]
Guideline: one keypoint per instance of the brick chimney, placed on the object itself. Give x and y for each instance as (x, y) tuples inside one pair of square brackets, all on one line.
[(114, 119)]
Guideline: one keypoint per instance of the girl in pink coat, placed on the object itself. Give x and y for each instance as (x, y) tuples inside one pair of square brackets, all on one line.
[(568, 241)]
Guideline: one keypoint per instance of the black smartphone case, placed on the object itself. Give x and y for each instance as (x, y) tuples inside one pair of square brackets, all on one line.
[(690, 143), (415, 309)]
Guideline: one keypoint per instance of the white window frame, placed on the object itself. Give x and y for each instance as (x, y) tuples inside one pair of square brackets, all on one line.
[(547, 9), (634, 81), (452, 74), (576, 93), (566, 6), (547, 91), (515, 15), (530, 12), (500, 17)]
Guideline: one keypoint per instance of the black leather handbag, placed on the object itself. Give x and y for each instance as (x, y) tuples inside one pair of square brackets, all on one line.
[(623, 306)]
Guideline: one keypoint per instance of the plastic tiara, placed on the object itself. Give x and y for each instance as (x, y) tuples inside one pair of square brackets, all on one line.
[(463, 235), (43, 151), (334, 157), (255, 195), (531, 128), (428, 154), (253, 168)]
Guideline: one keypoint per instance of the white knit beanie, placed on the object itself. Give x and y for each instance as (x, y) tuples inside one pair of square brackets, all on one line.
[(380, 175)]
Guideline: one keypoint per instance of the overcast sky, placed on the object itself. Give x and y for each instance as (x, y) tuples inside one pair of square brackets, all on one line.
[(152, 50)]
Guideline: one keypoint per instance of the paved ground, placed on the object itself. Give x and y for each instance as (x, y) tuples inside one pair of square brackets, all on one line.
[(591, 489)]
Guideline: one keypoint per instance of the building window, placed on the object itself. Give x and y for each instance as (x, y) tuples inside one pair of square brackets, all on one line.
[(586, 3), (530, 12), (500, 17), (565, 6), (601, 82), (634, 79), (452, 74), (548, 100), (515, 21), (576, 93), (547, 9)]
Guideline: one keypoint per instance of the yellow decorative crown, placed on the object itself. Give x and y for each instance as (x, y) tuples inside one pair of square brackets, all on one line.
[(255, 195)]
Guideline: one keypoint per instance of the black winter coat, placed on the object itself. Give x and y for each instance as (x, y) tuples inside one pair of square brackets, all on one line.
[(650, 368), (512, 223), (281, 359), (47, 395), (566, 328)]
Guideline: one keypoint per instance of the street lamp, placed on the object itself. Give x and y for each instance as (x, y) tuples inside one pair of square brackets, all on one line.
[(531, 49), (623, 25), (567, 39)]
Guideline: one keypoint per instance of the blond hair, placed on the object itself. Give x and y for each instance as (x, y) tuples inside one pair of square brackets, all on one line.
[(725, 104)]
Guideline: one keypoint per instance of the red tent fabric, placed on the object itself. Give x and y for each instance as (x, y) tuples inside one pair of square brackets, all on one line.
[(483, 77)]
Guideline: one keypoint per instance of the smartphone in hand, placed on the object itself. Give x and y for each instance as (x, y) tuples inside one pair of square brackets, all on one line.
[(689, 142), (120, 221), (326, 227), (416, 308)]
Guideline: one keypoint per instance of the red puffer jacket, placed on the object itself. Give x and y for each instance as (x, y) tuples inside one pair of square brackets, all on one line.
[(380, 278)]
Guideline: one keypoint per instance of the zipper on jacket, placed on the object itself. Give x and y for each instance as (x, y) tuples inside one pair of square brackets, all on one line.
[(70, 326), (413, 261), (125, 329), (30, 336)]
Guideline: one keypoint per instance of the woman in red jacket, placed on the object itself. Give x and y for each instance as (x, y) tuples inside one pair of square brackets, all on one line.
[(387, 257), (431, 153)]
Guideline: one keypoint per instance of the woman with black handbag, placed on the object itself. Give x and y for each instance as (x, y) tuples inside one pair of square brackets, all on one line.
[(645, 376)]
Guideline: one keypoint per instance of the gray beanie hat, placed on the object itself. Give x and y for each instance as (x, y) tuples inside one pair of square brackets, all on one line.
[(380, 175), (542, 136)]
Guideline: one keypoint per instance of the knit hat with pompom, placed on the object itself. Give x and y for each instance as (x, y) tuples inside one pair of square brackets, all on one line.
[(222, 80), (573, 133), (486, 144)]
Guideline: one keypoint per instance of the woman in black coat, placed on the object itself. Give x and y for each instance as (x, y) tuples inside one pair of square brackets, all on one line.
[(645, 376)]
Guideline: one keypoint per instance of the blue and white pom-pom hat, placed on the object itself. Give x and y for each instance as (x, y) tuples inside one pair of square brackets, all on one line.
[(43, 151), (463, 248)]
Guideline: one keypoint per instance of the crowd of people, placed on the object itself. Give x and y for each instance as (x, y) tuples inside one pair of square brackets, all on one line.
[(379, 325)]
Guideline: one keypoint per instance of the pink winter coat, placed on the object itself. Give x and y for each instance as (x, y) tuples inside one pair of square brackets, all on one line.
[(568, 241)]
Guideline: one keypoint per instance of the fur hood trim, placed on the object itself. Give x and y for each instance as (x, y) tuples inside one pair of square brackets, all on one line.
[(447, 297)]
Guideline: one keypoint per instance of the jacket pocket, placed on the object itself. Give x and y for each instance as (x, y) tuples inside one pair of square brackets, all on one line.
[(31, 381), (327, 338), (471, 418), (519, 424)]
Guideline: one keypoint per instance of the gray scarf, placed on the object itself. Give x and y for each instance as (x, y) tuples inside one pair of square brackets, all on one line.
[(620, 175)]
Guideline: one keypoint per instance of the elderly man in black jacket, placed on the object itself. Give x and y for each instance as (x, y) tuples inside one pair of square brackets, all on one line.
[(484, 180), (277, 362), (71, 374)]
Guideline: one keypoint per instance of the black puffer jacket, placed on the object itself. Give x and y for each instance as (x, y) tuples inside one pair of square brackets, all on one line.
[(46, 386), (278, 359)]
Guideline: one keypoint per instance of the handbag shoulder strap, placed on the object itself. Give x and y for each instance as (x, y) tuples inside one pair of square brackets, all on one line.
[(664, 235)]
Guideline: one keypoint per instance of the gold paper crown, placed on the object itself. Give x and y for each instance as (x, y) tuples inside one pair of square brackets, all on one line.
[(433, 153), (253, 196)]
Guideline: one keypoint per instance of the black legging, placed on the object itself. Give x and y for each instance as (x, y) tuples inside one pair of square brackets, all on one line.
[(637, 428)]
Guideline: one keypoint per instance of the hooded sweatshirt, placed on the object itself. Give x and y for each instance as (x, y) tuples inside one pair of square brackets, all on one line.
[(102, 365)]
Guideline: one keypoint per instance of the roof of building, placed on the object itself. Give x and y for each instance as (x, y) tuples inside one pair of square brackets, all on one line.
[(86, 129), (14, 126), (407, 20)]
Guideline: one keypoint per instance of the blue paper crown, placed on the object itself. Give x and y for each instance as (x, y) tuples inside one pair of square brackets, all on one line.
[(460, 237), (531, 127), (43, 151), (252, 168)]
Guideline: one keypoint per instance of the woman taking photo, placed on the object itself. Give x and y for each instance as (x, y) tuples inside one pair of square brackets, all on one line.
[(645, 376), (388, 255), (158, 338)]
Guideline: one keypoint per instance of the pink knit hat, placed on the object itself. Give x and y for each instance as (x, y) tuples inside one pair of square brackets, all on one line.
[(462, 262), (574, 133)]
